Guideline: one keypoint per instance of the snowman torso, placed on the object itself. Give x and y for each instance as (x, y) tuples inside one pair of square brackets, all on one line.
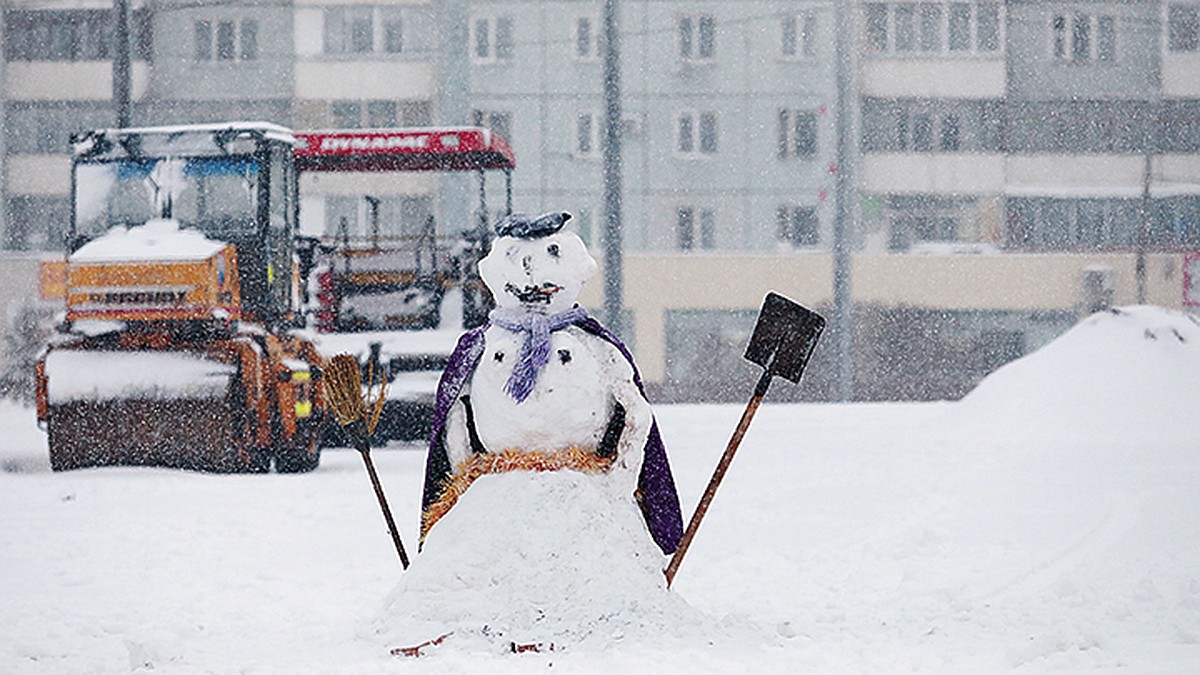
[(570, 403)]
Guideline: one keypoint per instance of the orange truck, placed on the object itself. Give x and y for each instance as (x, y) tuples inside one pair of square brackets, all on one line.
[(181, 344)]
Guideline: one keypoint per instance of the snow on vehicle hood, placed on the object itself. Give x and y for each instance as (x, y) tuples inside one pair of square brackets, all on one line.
[(158, 240)]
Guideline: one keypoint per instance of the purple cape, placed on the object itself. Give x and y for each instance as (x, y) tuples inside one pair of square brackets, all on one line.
[(659, 501)]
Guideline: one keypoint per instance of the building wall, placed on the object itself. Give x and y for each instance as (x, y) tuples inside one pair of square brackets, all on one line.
[(968, 156), (544, 87), (1038, 72)]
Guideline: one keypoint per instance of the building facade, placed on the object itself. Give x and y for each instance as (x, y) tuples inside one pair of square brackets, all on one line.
[(1015, 164)]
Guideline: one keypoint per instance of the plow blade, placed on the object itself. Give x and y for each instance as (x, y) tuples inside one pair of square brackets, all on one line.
[(202, 434)]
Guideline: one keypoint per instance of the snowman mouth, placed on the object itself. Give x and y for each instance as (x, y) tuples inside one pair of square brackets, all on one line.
[(531, 295)]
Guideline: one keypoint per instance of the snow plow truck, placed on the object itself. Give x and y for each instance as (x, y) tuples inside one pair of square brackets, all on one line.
[(180, 345)]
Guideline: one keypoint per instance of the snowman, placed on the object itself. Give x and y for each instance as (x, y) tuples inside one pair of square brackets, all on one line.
[(542, 386)]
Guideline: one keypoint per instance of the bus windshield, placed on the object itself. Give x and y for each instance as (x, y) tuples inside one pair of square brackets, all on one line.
[(216, 195)]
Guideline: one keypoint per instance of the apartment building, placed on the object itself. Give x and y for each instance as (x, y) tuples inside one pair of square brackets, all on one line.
[(305, 64), (1001, 151), (1001, 162)]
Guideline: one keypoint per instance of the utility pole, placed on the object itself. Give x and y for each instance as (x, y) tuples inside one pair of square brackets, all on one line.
[(5, 235), (121, 78), (455, 111), (1139, 267), (843, 321), (613, 260)]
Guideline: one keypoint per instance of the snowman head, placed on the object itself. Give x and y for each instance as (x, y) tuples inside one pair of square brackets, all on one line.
[(536, 266)]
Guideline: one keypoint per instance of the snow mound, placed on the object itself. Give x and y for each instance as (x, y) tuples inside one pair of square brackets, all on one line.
[(157, 240), (1134, 368), (558, 558)]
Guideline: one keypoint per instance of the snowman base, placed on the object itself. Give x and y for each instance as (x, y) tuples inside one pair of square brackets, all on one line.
[(528, 560)]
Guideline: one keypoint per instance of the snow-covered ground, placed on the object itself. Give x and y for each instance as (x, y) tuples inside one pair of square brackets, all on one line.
[(1049, 522)]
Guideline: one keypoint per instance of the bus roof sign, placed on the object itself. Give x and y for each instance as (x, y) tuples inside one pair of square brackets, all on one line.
[(403, 149)]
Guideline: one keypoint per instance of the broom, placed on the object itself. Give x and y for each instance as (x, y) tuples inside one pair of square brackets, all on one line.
[(343, 384)]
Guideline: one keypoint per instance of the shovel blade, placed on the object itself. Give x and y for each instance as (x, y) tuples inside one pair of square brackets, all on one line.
[(784, 337)]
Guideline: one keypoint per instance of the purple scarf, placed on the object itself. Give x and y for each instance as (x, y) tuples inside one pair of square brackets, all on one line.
[(535, 349)]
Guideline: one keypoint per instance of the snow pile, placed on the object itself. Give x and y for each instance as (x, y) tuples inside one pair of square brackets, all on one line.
[(157, 240), (99, 376), (1103, 369), (558, 558)]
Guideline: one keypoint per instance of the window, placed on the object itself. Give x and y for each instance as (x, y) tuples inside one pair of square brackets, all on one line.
[(586, 226), (1183, 28), (499, 122), (1106, 39), (693, 223), (877, 27), (987, 27), (225, 40), (696, 133), (35, 222), (346, 114), (1081, 38), (356, 217), (904, 17), (37, 128), (697, 37), (381, 114), (797, 226), (203, 38), (922, 132), (922, 218), (797, 134), (249, 40), (949, 136), (363, 30), (70, 35), (933, 27), (587, 39), (491, 39), (393, 34), (798, 35), (1049, 223), (587, 134), (958, 37), (374, 114), (898, 125)]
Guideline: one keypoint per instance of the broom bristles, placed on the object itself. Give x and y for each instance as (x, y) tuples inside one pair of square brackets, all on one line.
[(343, 383)]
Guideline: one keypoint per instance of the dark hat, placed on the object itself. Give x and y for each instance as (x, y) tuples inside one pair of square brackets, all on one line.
[(524, 226)]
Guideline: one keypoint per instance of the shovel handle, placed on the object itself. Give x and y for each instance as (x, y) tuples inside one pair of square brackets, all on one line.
[(718, 475)]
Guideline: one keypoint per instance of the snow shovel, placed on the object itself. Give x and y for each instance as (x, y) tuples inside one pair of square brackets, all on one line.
[(343, 383), (782, 343)]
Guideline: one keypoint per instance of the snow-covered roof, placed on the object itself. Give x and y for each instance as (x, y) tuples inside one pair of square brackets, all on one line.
[(157, 240)]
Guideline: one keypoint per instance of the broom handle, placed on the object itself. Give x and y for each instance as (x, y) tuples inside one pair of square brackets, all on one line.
[(726, 459), (387, 513)]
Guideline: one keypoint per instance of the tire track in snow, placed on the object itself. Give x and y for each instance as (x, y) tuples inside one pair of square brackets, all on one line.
[(1120, 517)]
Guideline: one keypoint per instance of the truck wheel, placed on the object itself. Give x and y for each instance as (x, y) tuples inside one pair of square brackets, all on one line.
[(240, 453), (303, 454), (62, 453)]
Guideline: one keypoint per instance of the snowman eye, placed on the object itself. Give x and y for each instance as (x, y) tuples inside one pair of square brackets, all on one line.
[(552, 249)]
